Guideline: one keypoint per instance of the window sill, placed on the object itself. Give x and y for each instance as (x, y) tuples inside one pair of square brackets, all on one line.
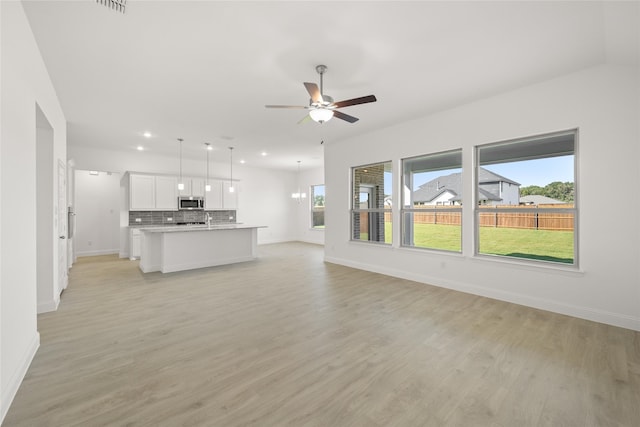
[(430, 251), (372, 243), (568, 270)]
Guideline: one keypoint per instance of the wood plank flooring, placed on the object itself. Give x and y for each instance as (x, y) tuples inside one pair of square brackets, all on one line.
[(288, 340)]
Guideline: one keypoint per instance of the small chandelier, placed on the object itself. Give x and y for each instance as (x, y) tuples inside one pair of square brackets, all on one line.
[(299, 195), (117, 5)]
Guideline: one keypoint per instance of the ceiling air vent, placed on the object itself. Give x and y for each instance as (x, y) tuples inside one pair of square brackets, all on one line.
[(117, 5)]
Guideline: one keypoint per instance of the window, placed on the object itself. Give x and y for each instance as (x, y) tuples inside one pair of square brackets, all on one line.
[(317, 206), (526, 199), (371, 208), (432, 201)]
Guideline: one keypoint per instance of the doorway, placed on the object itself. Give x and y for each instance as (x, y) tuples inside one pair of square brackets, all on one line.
[(47, 241)]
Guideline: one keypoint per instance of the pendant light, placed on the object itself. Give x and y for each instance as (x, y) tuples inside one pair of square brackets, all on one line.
[(207, 186), (180, 182), (231, 189), (298, 196)]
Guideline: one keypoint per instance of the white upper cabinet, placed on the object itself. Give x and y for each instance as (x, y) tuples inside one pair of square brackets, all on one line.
[(197, 187), (213, 198), (192, 187), (166, 193), (160, 192), (149, 192), (230, 199), (186, 191), (142, 195)]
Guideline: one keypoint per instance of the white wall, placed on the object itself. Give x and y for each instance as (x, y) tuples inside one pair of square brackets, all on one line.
[(603, 103), (24, 84), (97, 213), (264, 196)]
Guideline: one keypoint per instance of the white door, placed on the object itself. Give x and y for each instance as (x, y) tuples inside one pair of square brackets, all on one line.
[(62, 228)]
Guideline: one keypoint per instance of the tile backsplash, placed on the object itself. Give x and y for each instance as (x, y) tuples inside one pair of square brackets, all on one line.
[(172, 217)]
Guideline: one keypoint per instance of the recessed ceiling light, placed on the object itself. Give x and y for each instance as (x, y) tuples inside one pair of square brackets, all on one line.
[(242, 161), (140, 148), (147, 134), (93, 172), (264, 153)]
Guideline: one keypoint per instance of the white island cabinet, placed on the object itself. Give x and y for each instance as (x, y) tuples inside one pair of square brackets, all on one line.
[(169, 249)]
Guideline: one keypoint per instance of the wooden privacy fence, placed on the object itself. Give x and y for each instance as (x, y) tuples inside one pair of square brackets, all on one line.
[(537, 219)]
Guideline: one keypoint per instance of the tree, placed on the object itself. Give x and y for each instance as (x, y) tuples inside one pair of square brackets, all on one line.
[(318, 200), (563, 191), (531, 190)]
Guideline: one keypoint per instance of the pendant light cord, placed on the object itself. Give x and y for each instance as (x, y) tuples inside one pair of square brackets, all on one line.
[(231, 169), (180, 140)]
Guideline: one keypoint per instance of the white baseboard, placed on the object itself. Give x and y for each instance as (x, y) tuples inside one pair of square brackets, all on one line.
[(587, 313), (98, 252), (18, 375), (272, 241), (45, 307)]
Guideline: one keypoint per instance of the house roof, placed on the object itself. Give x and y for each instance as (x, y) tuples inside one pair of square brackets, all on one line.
[(486, 176), (536, 199), (452, 183)]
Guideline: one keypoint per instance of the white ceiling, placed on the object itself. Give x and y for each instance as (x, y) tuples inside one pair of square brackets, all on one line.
[(204, 70)]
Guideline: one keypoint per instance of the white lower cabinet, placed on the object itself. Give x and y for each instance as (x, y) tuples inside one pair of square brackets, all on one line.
[(134, 243)]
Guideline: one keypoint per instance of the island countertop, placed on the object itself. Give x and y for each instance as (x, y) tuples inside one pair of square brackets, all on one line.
[(204, 227), (185, 247)]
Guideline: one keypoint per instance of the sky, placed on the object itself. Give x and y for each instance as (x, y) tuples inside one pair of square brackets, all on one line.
[(538, 172)]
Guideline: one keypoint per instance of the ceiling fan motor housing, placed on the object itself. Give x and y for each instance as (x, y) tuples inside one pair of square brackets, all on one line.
[(326, 101)]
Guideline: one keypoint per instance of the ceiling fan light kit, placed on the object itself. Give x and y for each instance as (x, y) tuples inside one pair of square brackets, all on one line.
[(321, 107), (321, 115)]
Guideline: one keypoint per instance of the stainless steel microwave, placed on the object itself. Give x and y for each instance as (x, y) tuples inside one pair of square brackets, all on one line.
[(190, 203)]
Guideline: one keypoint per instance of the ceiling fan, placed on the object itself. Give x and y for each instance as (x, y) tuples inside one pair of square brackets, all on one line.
[(321, 107)]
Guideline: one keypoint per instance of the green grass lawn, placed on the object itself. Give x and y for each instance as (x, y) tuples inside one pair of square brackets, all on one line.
[(556, 246)]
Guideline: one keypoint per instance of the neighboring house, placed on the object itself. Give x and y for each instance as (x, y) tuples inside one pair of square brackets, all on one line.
[(536, 199), (493, 189)]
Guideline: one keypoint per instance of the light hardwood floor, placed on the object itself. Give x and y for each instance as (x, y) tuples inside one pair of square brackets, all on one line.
[(288, 340)]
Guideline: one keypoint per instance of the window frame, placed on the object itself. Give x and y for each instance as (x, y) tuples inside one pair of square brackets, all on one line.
[(438, 208), (354, 209), (312, 209), (481, 208)]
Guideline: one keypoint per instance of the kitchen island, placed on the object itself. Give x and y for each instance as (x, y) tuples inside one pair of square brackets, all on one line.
[(169, 249)]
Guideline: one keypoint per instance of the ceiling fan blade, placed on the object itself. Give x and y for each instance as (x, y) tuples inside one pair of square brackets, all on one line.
[(345, 117), (305, 119), (286, 106), (355, 101), (313, 90)]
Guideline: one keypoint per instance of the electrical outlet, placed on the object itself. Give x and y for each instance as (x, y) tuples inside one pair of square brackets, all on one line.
[(138, 219), (169, 219)]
